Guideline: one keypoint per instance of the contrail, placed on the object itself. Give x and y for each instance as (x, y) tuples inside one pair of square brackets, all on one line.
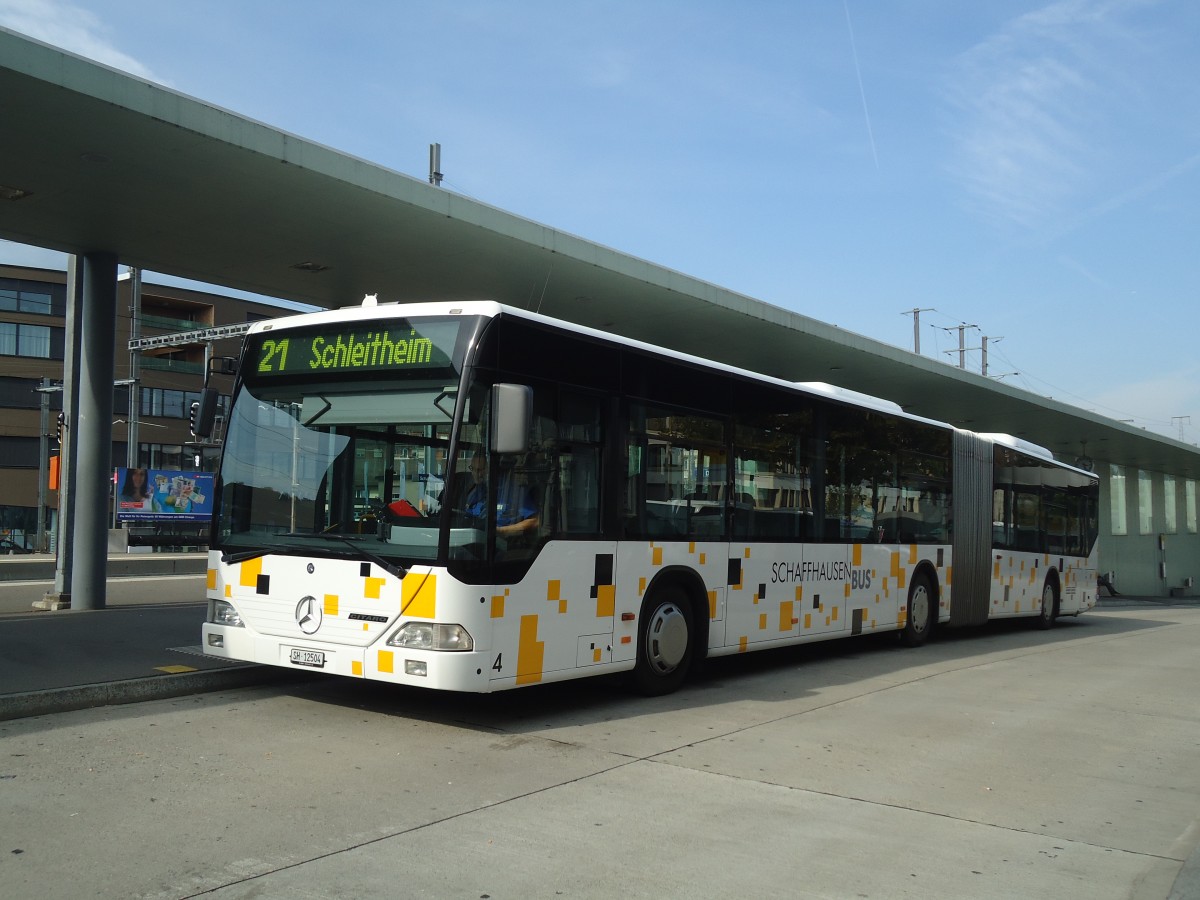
[(862, 93)]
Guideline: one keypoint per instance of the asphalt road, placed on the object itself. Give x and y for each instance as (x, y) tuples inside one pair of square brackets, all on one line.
[(998, 763)]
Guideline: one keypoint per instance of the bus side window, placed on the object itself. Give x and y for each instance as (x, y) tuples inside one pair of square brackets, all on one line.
[(577, 491), (676, 474), (771, 478), (577, 476)]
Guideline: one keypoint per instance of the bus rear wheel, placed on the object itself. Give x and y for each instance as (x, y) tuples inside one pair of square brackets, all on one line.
[(922, 612), (665, 642), (1049, 611)]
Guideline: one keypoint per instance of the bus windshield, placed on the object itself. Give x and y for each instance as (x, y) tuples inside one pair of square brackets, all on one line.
[(337, 442)]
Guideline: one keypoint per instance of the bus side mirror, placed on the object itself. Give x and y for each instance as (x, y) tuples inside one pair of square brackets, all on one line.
[(222, 365), (512, 416)]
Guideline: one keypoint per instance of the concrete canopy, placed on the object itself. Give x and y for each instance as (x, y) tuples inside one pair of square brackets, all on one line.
[(96, 160)]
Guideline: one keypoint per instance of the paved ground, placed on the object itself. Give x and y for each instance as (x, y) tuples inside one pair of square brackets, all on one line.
[(144, 645), (994, 763)]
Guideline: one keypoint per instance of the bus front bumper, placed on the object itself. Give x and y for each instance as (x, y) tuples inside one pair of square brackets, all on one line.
[(442, 670)]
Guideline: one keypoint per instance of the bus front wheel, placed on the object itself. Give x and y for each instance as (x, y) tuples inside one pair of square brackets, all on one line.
[(665, 642), (922, 612), (1049, 610)]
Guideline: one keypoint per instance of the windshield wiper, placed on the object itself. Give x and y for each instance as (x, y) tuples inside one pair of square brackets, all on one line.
[(388, 567), (354, 543), (238, 556)]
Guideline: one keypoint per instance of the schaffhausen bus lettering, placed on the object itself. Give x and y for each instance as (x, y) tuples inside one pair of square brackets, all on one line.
[(860, 579)]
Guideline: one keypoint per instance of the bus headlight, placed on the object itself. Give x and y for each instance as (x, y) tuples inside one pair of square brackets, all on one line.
[(224, 613), (432, 636)]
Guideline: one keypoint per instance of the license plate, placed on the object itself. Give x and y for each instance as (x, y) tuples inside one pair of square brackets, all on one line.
[(312, 658)]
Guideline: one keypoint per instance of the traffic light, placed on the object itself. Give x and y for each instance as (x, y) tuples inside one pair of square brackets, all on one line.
[(203, 412), (62, 418)]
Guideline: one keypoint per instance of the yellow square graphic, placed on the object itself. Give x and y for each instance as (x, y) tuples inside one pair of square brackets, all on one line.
[(418, 595), (606, 600), (251, 569), (530, 652)]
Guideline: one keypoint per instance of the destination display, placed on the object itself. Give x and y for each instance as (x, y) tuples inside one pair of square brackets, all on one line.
[(366, 347)]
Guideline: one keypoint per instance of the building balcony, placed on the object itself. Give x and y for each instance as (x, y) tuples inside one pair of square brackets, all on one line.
[(166, 364)]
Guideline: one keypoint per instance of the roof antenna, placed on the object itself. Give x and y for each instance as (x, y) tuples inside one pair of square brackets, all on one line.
[(435, 165)]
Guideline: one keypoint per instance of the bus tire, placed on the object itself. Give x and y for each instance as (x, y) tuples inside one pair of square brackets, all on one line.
[(1049, 611), (666, 642), (922, 611)]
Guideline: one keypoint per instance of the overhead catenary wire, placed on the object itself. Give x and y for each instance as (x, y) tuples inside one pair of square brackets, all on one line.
[(1034, 384)]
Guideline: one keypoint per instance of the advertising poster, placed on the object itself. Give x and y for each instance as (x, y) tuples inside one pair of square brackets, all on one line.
[(164, 495)]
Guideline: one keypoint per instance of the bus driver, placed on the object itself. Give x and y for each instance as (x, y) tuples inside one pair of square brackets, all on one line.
[(516, 507)]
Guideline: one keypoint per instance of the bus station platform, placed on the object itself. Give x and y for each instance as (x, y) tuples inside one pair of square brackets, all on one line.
[(144, 645)]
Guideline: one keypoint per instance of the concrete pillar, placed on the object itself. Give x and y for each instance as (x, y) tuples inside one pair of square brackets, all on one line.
[(91, 449)]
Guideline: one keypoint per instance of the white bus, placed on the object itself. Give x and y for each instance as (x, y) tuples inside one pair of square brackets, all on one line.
[(474, 498)]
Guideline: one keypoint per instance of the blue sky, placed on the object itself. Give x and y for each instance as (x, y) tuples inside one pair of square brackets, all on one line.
[(1028, 168)]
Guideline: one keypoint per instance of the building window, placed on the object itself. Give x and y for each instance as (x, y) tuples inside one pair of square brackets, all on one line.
[(1171, 524), (29, 340), (30, 297), (1145, 502), (167, 404), (179, 457), (1116, 498), (1189, 495)]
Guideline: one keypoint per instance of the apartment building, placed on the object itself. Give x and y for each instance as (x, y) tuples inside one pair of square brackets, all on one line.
[(168, 379)]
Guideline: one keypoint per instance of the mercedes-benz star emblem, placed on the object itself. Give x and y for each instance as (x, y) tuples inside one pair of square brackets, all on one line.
[(308, 615)]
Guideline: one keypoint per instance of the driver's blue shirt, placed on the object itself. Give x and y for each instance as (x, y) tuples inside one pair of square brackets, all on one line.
[(514, 502)]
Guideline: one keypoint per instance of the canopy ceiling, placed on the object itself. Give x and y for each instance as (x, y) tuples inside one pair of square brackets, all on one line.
[(93, 159)]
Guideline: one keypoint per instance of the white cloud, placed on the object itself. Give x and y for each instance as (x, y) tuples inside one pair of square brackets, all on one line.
[(71, 28), (1029, 102)]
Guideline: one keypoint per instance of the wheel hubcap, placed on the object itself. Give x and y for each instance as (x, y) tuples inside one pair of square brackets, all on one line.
[(920, 608), (666, 638)]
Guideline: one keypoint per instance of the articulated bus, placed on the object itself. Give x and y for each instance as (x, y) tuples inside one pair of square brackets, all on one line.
[(474, 498)]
